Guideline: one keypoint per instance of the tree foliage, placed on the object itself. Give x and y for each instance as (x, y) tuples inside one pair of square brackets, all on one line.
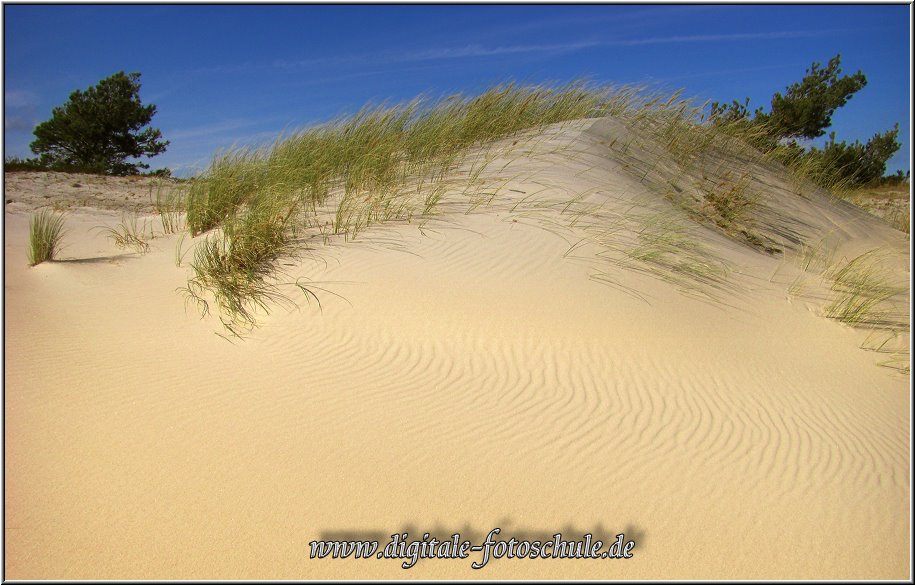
[(100, 129), (806, 109), (805, 112), (858, 164)]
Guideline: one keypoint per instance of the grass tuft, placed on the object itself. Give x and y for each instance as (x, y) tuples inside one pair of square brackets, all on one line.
[(862, 292), (170, 207), (129, 234), (45, 233)]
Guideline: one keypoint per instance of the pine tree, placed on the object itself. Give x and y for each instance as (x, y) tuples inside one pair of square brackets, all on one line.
[(99, 129)]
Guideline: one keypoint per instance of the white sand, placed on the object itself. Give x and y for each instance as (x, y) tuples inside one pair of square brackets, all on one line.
[(473, 377)]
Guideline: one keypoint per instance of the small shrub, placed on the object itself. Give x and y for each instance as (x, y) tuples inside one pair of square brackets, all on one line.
[(14, 163)]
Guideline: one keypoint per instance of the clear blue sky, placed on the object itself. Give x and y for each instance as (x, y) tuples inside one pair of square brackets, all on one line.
[(224, 75)]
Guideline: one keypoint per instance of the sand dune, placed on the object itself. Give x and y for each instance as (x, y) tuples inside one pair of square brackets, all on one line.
[(506, 363)]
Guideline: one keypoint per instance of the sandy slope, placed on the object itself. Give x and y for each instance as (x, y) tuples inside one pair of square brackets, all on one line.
[(475, 374)]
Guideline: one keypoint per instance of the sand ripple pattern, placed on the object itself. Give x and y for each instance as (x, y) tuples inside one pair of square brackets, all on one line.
[(588, 406)]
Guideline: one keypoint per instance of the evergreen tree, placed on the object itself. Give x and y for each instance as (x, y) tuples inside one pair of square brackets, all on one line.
[(805, 111), (99, 129)]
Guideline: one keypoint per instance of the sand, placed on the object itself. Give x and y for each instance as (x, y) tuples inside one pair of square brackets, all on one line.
[(471, 374)]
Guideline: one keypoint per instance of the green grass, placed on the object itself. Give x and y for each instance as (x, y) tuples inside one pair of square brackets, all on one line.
[(730, 199), (379, 149), (815, 257), (170, 207), (45, 234), (389, 163), (667, 248), (862, 293), (384, 163), (397, 162), (236, 264)]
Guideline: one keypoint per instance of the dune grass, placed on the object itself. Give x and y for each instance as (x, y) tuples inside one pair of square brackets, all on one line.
[(236, 264), (663, 245), (45, 234), (389, 163), (170, 207), (377, 150), (817, 256), (860, 292), (397, 162), (130, 234), (729, 198), (677, 151), (863, 291), (384, 163), (893, 346)]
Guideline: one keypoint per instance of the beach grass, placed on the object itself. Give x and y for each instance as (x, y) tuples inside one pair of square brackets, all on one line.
[(130, 233), (381, 164), (45, 234), (396, 163), (862, 292), (170, 207)]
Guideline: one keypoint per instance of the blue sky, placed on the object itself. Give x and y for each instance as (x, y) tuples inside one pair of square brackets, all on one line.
[(233, 75)]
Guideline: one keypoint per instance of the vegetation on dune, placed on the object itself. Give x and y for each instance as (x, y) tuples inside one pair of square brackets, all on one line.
[(130, 233), (890, 200), (391, 163), (382, 164), (170, 206), (253, 206), (862, 292), (45, 233)]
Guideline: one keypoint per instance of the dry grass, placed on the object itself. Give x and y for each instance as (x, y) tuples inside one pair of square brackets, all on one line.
[(131, 233)]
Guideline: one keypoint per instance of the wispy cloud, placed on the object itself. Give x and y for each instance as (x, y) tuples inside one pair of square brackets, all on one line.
[(471, 51), (213, 130), (477, 51), (734, 37), (633, 18)]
